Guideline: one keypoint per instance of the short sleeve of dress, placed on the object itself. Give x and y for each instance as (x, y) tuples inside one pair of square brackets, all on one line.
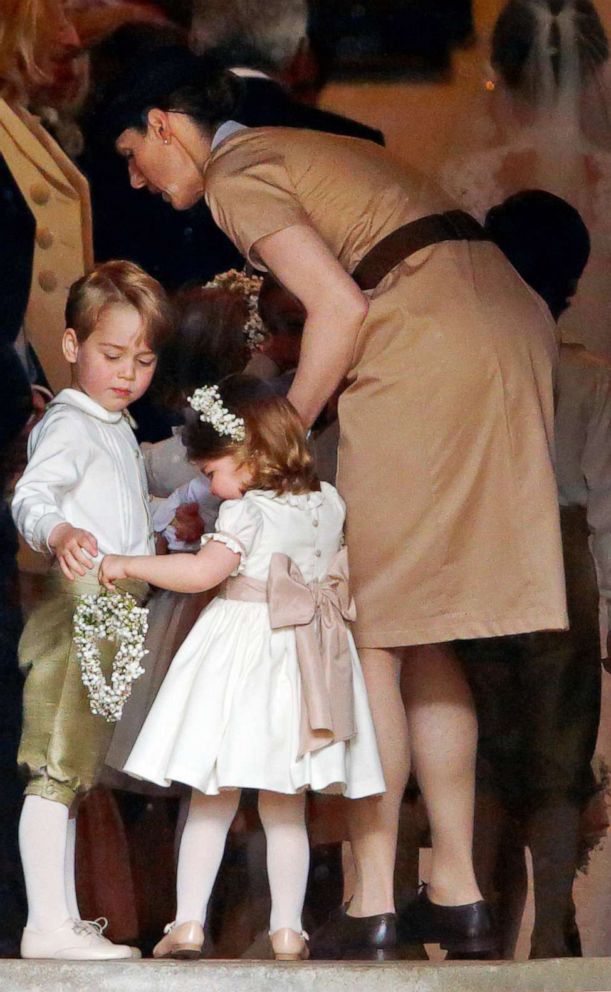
[(251, 197), (237, 526)]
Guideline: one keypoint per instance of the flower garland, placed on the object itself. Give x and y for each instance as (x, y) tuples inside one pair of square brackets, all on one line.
[(208, 403), (240, 282), (112, 617)]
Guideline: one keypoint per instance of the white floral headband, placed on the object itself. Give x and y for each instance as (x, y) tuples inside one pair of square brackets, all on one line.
[(208, 403), (239, 282)]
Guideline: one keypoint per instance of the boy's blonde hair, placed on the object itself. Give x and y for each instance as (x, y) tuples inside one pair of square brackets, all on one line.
[(119, 283), (275, 448)]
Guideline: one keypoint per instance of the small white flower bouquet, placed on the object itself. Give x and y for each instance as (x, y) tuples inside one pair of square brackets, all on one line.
[(114, 617)]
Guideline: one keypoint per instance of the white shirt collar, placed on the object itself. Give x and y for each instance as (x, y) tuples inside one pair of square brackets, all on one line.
[(225, 131), (74, 397), (246, 73)]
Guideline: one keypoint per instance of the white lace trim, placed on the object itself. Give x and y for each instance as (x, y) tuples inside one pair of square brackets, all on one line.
[(232, 543), (304, 501)]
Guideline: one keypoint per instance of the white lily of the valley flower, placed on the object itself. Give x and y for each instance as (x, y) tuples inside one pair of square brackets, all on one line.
[(110, 617), (207, 402)]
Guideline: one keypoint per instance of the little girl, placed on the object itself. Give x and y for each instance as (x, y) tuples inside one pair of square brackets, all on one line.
[(266, 692)]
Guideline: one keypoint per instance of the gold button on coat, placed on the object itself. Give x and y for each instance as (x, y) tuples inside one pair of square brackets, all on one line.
[(44, 238), (47, 281), (40, 193)]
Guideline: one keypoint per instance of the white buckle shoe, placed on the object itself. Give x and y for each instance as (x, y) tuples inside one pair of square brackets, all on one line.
[(75, 940)]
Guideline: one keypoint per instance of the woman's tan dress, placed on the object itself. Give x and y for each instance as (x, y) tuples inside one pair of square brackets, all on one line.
[(446, 426)]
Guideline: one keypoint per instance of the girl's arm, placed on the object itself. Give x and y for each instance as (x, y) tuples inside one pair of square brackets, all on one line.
[(177, 572), (335, 306)]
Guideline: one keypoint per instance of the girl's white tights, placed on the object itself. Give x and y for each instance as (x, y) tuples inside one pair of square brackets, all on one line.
[(201, 851), (288, 856), (203, 843), (43, 831)]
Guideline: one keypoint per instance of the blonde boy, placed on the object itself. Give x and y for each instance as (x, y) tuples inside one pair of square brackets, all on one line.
[(83, 495)]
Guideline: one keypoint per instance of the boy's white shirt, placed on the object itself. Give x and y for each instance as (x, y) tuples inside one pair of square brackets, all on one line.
[(84, 468)]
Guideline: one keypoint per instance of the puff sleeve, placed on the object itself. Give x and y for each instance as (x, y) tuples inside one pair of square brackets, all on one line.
[(252, 196), (238, 525)]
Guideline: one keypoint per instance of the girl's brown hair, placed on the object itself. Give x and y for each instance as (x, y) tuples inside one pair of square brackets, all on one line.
[(275, 448)]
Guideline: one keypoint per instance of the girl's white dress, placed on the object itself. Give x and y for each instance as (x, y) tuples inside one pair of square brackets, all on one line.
[(228, 712)]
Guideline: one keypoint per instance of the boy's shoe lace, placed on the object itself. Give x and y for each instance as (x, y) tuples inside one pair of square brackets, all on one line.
[(92, 928)]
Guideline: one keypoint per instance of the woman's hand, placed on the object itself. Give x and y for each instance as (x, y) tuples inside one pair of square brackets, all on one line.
[(113, 568)]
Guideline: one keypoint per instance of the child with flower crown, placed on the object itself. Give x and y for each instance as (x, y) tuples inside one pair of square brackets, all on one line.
[(266, 692)]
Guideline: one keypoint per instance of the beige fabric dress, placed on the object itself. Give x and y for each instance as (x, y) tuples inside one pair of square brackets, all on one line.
[(446, 426)]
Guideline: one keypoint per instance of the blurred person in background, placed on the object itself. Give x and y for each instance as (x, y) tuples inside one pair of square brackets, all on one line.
[(264, 42), (538, 702), (39, 65)]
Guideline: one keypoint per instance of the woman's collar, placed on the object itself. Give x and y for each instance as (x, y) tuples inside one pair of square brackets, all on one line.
[(226, 130)]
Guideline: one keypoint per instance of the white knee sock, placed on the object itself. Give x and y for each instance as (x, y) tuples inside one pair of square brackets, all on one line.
[(70, 869), (42, 842), (201, 851), (288, 856)]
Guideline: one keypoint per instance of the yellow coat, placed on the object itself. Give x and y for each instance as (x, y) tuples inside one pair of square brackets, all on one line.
[(58, 197)]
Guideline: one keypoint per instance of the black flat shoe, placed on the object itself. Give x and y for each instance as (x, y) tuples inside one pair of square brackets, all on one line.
[(355, 938), (465, 930)]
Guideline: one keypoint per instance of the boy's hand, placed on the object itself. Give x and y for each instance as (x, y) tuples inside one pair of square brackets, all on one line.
[(188, 524), (74, 548), (113, 567)]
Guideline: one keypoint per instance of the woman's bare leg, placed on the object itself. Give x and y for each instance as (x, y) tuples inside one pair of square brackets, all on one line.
[(373, 823), (443, 741)]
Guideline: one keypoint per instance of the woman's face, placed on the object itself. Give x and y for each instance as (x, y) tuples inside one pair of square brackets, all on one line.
[(160, 161)]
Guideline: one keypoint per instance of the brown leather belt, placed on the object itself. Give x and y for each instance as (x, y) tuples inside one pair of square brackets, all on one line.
[(454, 225)]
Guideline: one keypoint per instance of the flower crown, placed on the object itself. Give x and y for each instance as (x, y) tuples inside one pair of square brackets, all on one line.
[(208, 403), (240, 282)]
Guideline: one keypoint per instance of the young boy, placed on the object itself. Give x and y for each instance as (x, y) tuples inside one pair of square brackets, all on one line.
[(83, 495)]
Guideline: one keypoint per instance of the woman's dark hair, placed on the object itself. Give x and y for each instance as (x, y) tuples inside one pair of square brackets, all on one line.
[(517, 32), (275, 446), (172, 79)]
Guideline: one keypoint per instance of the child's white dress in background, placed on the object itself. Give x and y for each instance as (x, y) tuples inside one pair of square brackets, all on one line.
[(228, 712), (163, 511)]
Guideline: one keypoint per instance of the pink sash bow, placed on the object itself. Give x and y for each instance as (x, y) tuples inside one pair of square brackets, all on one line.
[(317, 611)]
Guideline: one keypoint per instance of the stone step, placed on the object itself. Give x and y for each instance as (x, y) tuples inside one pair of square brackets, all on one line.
[(566, 975)]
